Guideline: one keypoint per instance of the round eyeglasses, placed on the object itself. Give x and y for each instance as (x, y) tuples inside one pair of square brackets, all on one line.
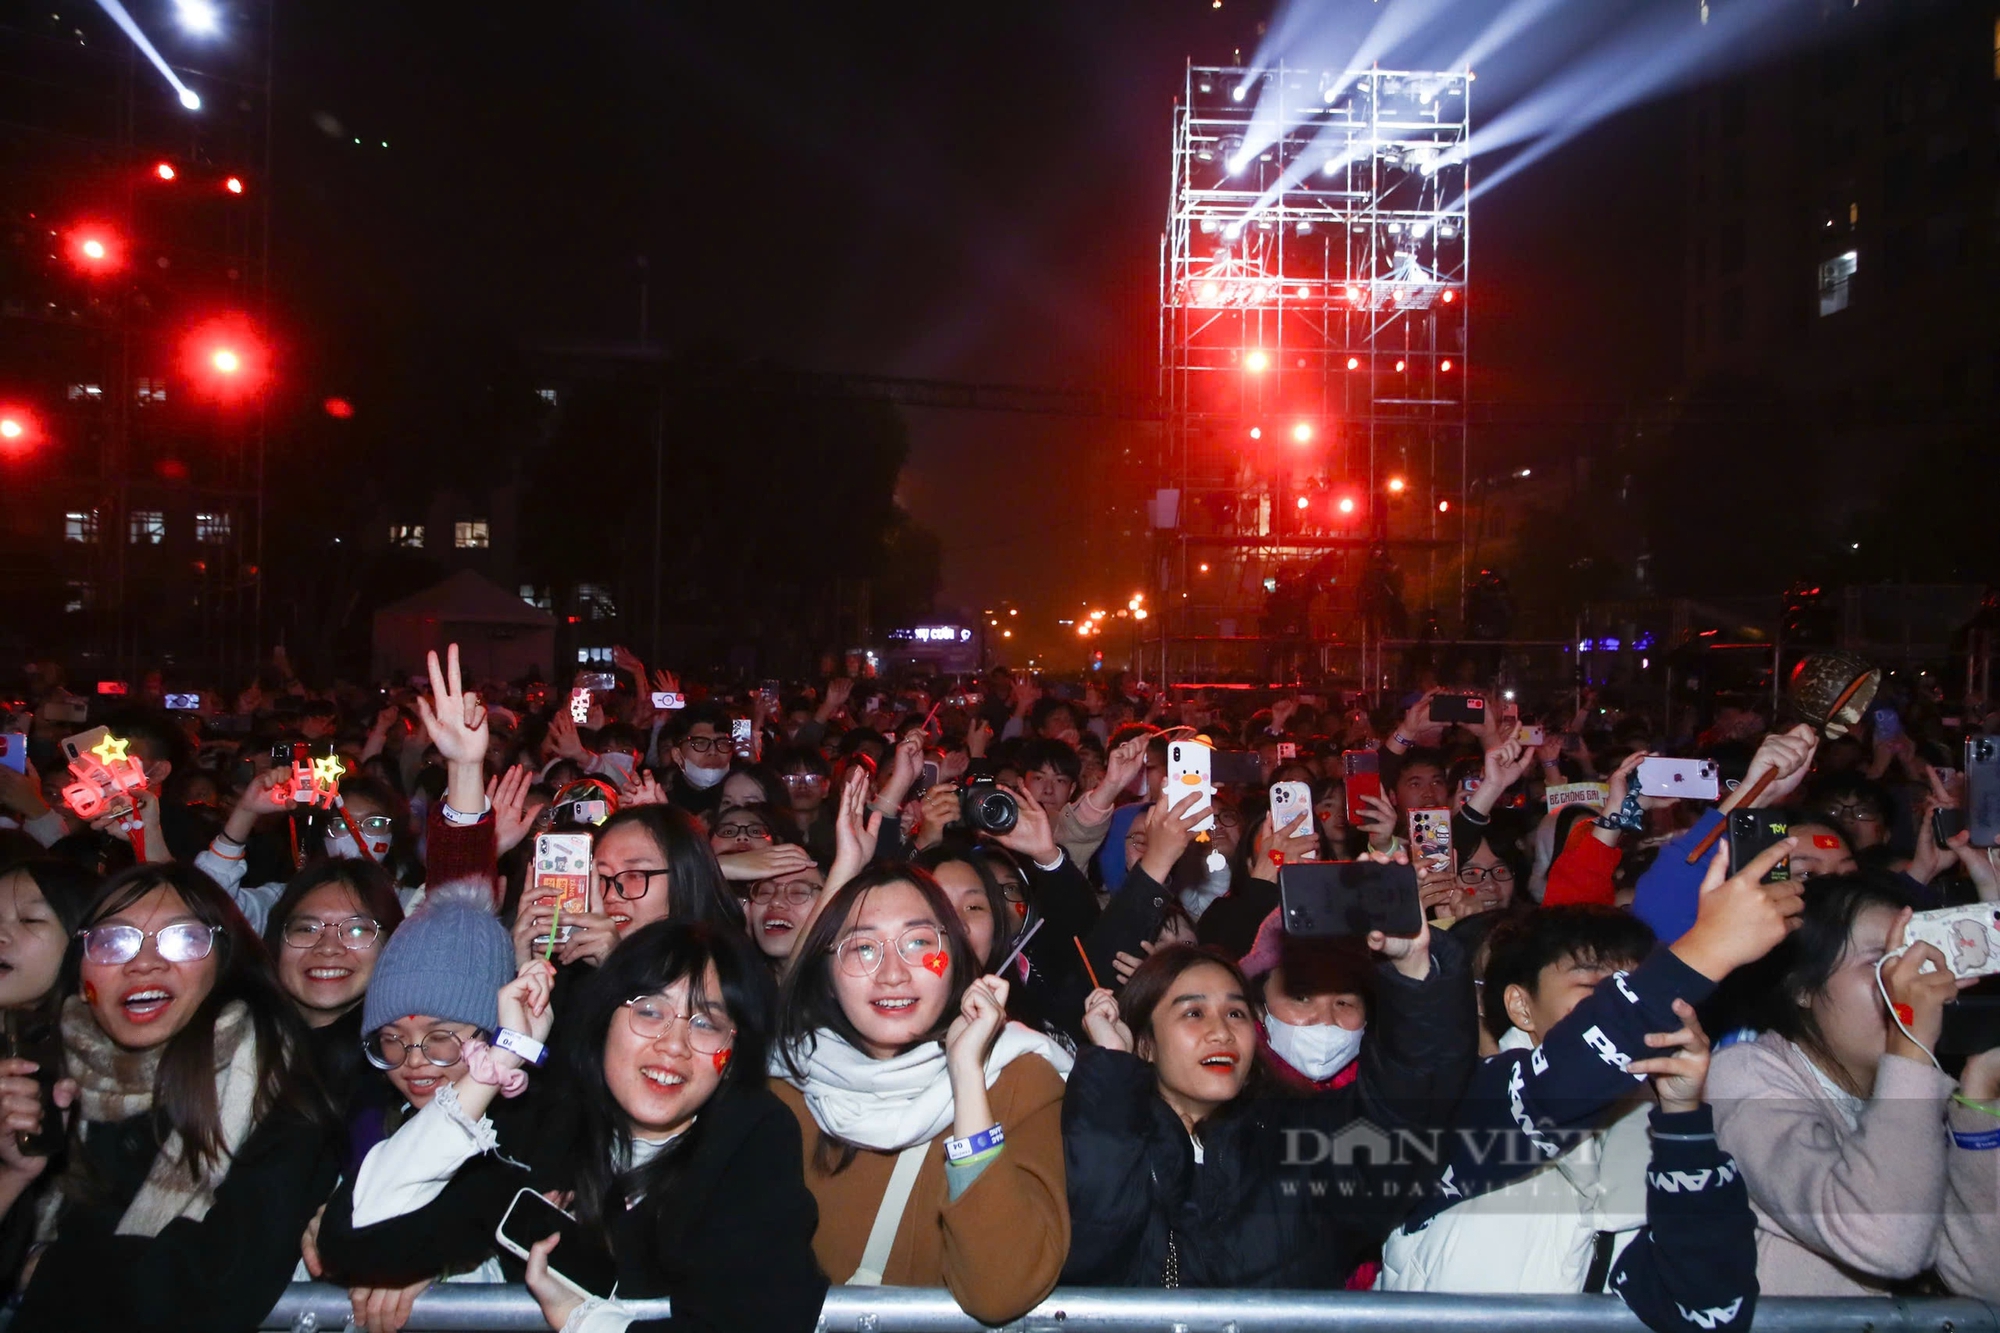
[(862, 955), (386, 1050), (795, 894), (354, 932), (179, 942), (651, 1016)]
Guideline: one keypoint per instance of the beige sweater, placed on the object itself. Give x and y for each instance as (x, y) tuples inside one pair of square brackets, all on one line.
[(1844, 1209)]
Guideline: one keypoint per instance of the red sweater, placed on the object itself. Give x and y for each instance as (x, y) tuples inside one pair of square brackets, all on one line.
[(459, 851), (1582, 870)]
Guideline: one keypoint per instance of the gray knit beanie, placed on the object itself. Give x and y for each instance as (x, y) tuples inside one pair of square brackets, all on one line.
[(448, 961)]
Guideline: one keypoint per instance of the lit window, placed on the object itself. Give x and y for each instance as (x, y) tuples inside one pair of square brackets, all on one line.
[(1834, 279), (80, 525), (406, 534), (546, 395), (470, 534), (150, 392), (211, 529), (86, 393), (82, 596), (149, 527), (537, 597), (593, 601)]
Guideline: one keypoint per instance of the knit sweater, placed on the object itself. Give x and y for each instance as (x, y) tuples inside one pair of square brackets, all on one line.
[(999, 1246), (1845, 1207)]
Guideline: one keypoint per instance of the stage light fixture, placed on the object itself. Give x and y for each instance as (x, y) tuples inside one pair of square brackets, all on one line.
[(1303, 432), (165, 171), (1303, 502), (1396, 485), (1239, 92), (190, 99), (1255, 361), (234, 185), (1399, 367), (225, 360), (1444, 506), (1449, 296), (1346, 504), (1305, 293), (1256, 432), (1354, 363), (198, 17), (95, 249), (1445, 366)]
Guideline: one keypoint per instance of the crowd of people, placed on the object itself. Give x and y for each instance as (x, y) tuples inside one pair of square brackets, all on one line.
[(944, 983)]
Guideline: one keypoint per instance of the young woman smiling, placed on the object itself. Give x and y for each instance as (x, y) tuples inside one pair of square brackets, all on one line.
[(200, 1144), (1184, 1170), (674, 1155), (935, 1124)]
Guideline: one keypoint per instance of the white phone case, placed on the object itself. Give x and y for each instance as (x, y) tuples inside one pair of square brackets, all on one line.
[(1682, 779), (1288, 799), (1187, 771), (1968, 937)]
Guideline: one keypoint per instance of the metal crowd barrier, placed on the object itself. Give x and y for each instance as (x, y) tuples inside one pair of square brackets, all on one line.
[(467, 1307)]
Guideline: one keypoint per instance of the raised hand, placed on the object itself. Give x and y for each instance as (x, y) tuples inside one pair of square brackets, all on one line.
[(455, 718), (981, 1015), (508, 795), (780, 858), (562, 735), (643, 789), (1788, 756), (1169, 829), (1031, 835), (1738, 919), (855, 831), (1383, 824), (1918, 996), (1102, 1024)]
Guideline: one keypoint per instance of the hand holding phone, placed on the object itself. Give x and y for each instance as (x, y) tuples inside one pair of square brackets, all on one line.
[(1333, 899), (1363, 773), (580, 1262)]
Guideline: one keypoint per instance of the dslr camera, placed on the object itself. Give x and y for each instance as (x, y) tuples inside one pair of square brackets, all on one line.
[(987, 807)]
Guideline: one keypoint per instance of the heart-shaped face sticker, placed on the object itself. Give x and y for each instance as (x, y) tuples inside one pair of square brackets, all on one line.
[(937, 962)]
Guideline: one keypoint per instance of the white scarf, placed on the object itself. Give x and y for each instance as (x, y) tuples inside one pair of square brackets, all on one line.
[(888, 1105)]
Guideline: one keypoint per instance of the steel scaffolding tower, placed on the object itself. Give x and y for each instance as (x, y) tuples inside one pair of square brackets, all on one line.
[(1313, 354)]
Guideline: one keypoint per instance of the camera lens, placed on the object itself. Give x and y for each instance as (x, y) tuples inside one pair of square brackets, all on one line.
[(986, 808)]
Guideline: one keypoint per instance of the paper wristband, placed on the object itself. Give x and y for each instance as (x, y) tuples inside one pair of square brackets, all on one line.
[(957, 1150), (1984, 1140), (523, 1045)]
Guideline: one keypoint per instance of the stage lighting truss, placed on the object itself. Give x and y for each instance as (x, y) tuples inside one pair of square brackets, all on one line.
[(1314, 269)]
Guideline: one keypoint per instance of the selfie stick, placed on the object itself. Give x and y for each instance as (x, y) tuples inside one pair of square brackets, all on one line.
[(1088, 970), (1019, 945)]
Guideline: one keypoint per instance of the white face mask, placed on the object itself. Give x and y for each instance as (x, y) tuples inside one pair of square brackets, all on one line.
[(340, 845), (703, 778), (619, 766), (1318, 1051)]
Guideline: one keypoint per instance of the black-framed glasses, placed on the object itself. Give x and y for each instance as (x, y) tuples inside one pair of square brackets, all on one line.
[(178, 942), (796, 782), (631, 885), (862, 955), (354, 932), (742, 832), (709, 744), (386, 1050), (1473, 876), (650, 1017), (1860, 814), (797, 893)]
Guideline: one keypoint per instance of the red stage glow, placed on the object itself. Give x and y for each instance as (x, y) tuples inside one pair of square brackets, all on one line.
[(1445, 366), (225, 359), (165, 171), (95, 249), (234, 185), (1255, 361), (1354, 363), (339, 409), (1303, 432)]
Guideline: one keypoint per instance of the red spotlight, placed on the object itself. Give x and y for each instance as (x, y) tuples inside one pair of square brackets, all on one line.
[(1445, 366), (1399, 367), (1256, 432), (165, 171), (18, 430), (339, 409), (1449, 296), (1346, 505), (95, 249), (1444, 506), (1255, 361), (1396, 485), (1354, 363), (1354, 295), (225, 358), (234, 185), (1303, 432), (1305, 293)]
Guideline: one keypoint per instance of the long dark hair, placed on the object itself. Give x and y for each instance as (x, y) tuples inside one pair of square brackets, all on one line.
[(695, 891), (184, 1086), (810, 1005), (1798, 970), (66, 887), (646, 963)]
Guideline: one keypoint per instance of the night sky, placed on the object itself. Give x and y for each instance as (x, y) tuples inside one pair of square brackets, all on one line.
[(960, 192)]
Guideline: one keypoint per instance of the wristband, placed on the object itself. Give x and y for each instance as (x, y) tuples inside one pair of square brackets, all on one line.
[(523, 1045), (957, 1150), (1984, 1141), (1988, 1108), (1630, 817), (1472, 816), (1683, 1138), (1400, 739)]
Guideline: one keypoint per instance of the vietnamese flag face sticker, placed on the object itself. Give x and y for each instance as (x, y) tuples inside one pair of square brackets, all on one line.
[(1826, 842), (937, 962)]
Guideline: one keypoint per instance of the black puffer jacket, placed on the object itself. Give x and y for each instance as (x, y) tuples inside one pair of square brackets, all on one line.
[(1281, 1197)]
